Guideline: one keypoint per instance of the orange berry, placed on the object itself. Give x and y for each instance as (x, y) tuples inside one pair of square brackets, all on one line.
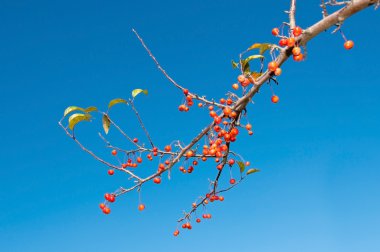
[(168, 148), (348, 44), (241, 78), (114, 152), (291, 42), (298, 57), (189, 153), (275, 31), (141, 207), (296, 50), (246, 82), (235, 86), (297, 31), (272, 66), (275, 98), (278, 71)]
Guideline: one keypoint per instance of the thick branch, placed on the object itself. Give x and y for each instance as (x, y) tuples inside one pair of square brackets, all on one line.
[(292, 13)]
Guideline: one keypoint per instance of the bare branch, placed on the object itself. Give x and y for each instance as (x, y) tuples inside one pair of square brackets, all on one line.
[(292, 13), (141, 122)]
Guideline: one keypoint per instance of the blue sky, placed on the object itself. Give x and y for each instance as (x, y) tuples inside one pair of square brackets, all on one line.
[(318, 148)]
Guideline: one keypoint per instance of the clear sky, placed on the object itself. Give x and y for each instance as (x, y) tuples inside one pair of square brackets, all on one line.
[(318, 148)]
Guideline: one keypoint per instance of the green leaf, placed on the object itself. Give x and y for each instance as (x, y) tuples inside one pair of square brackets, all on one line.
[(106, 123), (241, 166), (76, 108), (234, 64), (116, 101), (70, 109), (252, 171), (76, 118), (138, 91)]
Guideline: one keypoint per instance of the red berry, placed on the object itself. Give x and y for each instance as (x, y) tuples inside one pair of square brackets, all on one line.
[(176, 233), (168, 148), (111, 172), (232, 181), (135, 140), (231, 162), (283, 42), (275, 31), (275, 98), (114, 152), (186, 92), (348, 44), (198, 220), (102, 205), (157, 180), (297, 31), (106, 210), (111, 198), (141, 207), (107, 196)]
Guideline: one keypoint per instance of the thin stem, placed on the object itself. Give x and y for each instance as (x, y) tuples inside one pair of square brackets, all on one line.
[(141, 122)]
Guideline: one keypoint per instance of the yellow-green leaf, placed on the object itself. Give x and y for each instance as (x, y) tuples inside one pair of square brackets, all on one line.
[(90, 109), (246, 61), (241, 166), (262, 47), (252, 57), (116, 101), (250, 171), (234, 64), (135, 92), (76, 118), (106, 123), (70, 109)]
